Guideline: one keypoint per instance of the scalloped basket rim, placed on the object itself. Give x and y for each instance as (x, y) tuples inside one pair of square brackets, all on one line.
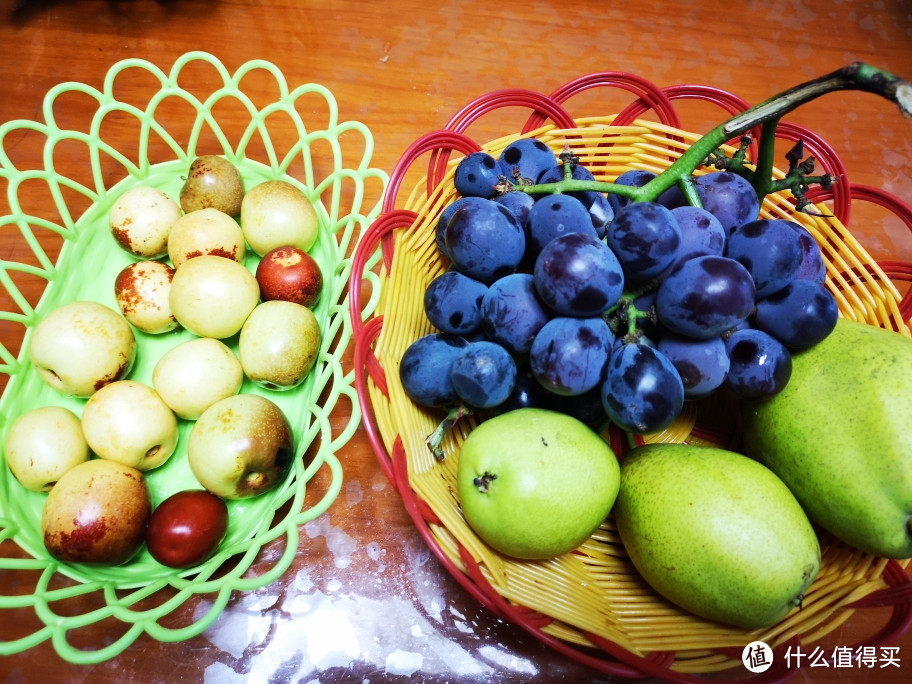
[(327, 378), (398, 231)]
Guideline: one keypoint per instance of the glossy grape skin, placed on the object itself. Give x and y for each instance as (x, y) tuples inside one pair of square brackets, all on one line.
[(452, 303), (637, 178), (702, 364), (485, 241), (642, 391), (569, 355), (705, 297), (444, 219), (800, 315), (649, 325), (586, 407), (812, 265), (645, 238), (484, 374), (556, 215), (578, 275), (512, 312), (729, 197), (529, 156), (476, 175), (518, 203), (769, 249), (760, 366), (601, 214), (578, 172), (527, 393), (426, 367), (701, 235)]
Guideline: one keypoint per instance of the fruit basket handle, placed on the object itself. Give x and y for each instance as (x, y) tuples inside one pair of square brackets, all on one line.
[(841, 190), (897, 595), (542, 106), (895, 269), (429, 142), (729, 102), (650, 96)]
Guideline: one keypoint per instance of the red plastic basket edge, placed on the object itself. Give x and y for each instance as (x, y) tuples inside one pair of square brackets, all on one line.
[(628, 665)]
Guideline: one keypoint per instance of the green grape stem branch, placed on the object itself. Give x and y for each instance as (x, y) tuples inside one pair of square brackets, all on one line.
[(624, 318), (767, 114)]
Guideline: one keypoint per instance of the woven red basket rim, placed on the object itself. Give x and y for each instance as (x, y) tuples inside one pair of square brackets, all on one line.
[(608, 657)]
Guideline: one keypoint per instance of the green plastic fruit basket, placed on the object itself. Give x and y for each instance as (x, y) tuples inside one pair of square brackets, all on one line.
[(143, 127)]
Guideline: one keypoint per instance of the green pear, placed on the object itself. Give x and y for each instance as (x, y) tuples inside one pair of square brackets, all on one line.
[(535, 483), (715, 533), (840, 436)]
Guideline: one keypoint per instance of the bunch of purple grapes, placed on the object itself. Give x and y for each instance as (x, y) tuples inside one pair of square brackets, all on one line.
[(607, 309)]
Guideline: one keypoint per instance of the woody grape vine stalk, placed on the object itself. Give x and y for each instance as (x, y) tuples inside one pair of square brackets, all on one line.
[(624, 318), (767, 114)]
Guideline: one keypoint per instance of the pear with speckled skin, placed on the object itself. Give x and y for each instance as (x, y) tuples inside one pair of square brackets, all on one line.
[(715, 533), (840, 436)]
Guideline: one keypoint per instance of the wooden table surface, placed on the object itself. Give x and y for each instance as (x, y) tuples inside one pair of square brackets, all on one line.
[(364, 599)]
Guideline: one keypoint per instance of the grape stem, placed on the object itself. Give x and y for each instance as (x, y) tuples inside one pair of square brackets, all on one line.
[(855, 76), (625, 313), (435, 439)]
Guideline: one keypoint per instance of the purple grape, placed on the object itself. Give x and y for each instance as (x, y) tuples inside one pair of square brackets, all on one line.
[(452, 303), (578, 275), (645, 238), (637, 178), (553, 216), (702, 364), (812, 265), (578, 172), (799, 315), (527, 393), (701, 235), (729, 197), (528, 157), (760, 366), (569, 355), (512, 312), (586, 407), (484, 374), (484, 240), (518, 203), (426, 368), (769, 249), (601, 214), (705, 297), (476, 175), (649, 325), (642, 391), (444, 219)]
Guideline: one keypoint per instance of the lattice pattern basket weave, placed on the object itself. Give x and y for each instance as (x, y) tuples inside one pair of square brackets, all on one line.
[(61, 175), (592, 605)]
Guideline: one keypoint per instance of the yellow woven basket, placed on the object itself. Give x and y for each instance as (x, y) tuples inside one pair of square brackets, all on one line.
[(592, 604)]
